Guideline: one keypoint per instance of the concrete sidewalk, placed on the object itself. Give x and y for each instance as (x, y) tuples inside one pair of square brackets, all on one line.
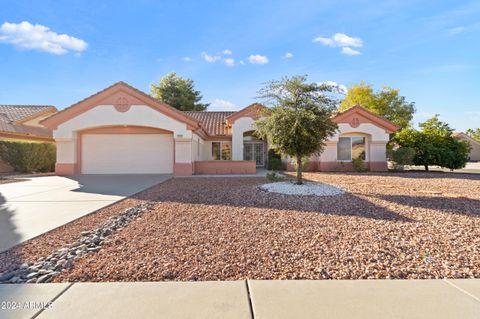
[(335, 299)]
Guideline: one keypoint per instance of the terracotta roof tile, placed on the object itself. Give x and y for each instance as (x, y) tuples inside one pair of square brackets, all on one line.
[(212, 122), (11, 114), (20, 112)]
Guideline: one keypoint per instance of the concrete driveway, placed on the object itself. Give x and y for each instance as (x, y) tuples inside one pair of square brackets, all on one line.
[(33, 207)]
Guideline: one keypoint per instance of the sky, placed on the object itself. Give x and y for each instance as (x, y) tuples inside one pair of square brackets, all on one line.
[(59, 52)]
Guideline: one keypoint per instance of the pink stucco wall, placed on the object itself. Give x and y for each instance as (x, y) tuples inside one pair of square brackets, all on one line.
[(225, 167)]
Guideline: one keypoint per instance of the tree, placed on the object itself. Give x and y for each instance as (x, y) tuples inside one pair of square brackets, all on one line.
[(474, 133), (298, 123), (434, 144), (178, 92), (387, 103)]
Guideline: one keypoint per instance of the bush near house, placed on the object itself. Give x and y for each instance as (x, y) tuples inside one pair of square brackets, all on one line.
[(402, 156), (274, 161), (434, 144), (29, 157), (359, 165)]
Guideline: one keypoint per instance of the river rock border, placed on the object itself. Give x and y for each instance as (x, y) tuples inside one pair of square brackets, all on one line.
[(62, 259)]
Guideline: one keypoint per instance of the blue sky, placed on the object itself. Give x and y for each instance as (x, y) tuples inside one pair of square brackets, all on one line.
[(430, 50)]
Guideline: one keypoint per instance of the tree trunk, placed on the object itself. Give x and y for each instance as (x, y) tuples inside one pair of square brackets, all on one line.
[(426, 168), (299, 170)]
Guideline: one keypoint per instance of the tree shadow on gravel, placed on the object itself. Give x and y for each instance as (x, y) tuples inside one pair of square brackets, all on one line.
[(455, 205), (244, 192)]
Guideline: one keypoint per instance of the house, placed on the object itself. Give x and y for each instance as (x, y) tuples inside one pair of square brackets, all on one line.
[(22, 123), (474, 155), (121, 130)]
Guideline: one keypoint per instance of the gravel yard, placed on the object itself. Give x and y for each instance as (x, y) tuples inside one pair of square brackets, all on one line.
[(405, 225)]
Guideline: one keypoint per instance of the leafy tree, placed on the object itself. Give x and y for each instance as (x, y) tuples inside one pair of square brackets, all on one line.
[(178, 92), (434, 144), (474, 133), (387, 103), (299, 121)]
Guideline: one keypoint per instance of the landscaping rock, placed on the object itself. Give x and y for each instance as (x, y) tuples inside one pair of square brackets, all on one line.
[(60, 260)]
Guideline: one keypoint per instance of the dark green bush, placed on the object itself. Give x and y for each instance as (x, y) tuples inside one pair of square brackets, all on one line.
[(402, 156), (359, 165), (29, 157), (274, 161), (274, 177)]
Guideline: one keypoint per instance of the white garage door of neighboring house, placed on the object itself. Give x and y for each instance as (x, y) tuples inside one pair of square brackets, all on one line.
[(127, 154)]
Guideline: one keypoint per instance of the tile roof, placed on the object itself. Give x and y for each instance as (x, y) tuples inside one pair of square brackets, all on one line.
[(20, 112), (212, 122), (11, 114)]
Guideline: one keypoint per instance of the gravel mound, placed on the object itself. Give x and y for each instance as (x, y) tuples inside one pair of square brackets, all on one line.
[(308, 188)]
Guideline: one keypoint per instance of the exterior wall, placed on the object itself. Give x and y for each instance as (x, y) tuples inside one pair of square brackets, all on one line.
[(475, 147), (240, 126), (475, 152), (376, 140), (67, 138), (225, 167), (183, 157), (36, 121)]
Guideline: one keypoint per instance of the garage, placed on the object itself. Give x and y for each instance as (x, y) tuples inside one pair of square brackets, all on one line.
[(127, 154)]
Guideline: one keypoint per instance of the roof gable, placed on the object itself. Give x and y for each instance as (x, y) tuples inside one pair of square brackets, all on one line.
[(121, 95), (252, 111), (357, 115), (214, 123)]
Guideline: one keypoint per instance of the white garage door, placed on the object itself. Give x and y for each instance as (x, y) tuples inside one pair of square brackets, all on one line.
[(127, 154)]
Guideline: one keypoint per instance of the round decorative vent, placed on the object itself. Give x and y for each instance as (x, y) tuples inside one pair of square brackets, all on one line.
[(355, 122), (122, 105)]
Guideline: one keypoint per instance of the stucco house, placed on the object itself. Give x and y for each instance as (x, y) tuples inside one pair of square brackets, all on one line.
[(474, 154), (121, 130), (22, 123)]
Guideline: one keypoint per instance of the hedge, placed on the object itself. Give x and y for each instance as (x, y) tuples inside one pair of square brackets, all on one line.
[(29, 157)]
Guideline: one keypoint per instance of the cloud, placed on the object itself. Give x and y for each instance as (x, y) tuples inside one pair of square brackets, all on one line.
[(336, 87), (241, 62), (257, 59), (288, 55), (187, 59), (340, 40), (27, 36), (222, 105), (210, 58), (226, 52), (456, 30), (350, 51), (229, 61)]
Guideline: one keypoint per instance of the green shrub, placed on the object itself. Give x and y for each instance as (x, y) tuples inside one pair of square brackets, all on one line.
[(274, 161), (29, 157), (402, 156), (275, 177), (359, 165)]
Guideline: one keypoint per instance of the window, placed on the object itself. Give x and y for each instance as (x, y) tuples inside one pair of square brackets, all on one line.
[(221, 151), (351, 147)]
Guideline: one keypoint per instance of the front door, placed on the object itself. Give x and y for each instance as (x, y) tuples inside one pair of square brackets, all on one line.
[(254, 152)]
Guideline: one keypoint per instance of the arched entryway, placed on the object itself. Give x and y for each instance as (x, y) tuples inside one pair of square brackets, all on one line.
[(254, 149)]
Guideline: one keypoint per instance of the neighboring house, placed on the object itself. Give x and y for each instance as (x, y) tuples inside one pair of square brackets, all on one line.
[(22, 122), (474, 155), (122, 130)]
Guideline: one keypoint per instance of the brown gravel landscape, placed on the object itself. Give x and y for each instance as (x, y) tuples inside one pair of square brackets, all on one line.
[(404, 225), (31, 250)]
